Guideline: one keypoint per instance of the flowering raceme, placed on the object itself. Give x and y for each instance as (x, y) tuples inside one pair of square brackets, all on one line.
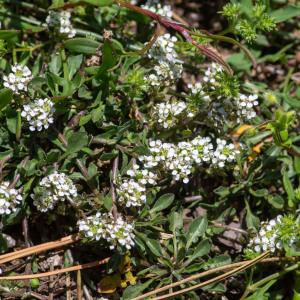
[(52, 189), (224, 153), (104, 227), (132, 192), (274, 235), (168, 68), (10, 198), (158, 8), (169, 114), (204, 98), (181, 159), (62, 21), (39, 114), (18, 79)]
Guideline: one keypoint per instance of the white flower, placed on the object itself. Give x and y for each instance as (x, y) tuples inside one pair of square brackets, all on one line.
[(61, 20), (104, 227), (168, 67), (224, 153), (53, 188), (164, 48), (245, 107), (164, 73), (210, 75), (132, 192), (276, 234), (158, 8), (198, 90), (9, 199), (39, 114), (179, 160), (166, 115), (142, 176), (267, 238), (18, 79)]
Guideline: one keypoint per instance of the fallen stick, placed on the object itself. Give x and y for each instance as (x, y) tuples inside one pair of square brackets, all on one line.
[(56, 272)]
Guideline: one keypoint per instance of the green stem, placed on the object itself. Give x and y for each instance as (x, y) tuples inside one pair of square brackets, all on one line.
[(287, 80), (296, 295), (274, 276), (65, 64), (27, 5), (22, 18), (227, 40)]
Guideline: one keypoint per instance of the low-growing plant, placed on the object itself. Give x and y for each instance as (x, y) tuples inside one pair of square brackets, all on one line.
[(126, 131)]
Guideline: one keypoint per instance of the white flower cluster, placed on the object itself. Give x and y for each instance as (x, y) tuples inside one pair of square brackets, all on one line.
[(197, 90), (221, 108), (224, 153), (9, 199), (142, 176), (158, 8), (39, 114), (18, 79), (181, 159), (62, 20), (275, 233), (52, 189), (132, 192), (211, 73), (245, 107), (164, 48), (168, 68), (104, 227), (168, 114), (165, 74)]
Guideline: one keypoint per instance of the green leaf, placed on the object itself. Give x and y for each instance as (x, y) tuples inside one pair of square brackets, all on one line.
[(293, 102), (108, 202), (217, 261), (74, 63), (12, 121), (259, 193), (99, 2), (34, 283), (55, 64), (202, 249), (109, 156), (154, 246), (197, 229), (289, 189), (8, 34), (3, 244), (176, 221), (77, 141), (163, 202), (215, 287), (82, 45), (239, 61), (286, 13), (114, 263), (297, 164), (276, 201), (135, 290), (6, 95), (59, 4), (260, 292), (251, 220), (222, 191), (108, 58)]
